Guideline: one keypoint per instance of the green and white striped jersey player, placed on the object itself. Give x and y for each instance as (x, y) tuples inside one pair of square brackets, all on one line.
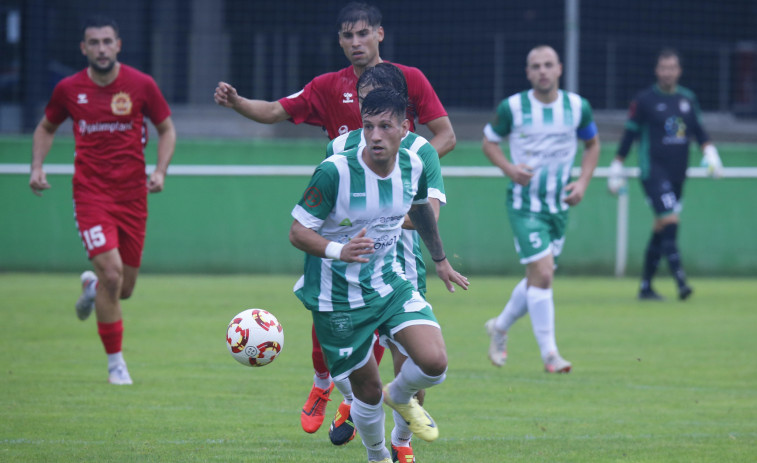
[(543, 125), (543, 139), (345, 196), (409, 251), (348, 223)]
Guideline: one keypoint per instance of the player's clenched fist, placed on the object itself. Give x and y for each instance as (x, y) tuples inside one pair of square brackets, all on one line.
[(225, 95)]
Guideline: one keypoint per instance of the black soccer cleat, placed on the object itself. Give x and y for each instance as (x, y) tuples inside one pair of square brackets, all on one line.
[(649, 294), (684, 292)]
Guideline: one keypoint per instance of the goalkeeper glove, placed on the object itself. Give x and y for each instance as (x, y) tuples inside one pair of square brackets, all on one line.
[(711, 160), (616, 182)]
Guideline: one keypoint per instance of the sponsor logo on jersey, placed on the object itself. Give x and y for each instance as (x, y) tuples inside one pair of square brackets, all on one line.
[(675, 130), (347, 97), (82, 98), (684, 106), (343, 129), (85, 128), (346, 222), (121, 104)]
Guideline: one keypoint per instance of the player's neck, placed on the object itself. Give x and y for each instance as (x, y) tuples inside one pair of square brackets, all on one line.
[(104, 79), (546, 98), (667, 88), (359, 70), (381, 168)]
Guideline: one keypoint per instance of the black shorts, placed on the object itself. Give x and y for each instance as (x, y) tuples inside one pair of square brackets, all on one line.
[(663, 194)]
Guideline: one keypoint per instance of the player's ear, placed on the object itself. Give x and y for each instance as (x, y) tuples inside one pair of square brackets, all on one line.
[(83, 48), (405, 127), (380, 32)]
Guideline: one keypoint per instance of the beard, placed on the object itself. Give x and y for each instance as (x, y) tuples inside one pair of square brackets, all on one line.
[(102, 69)]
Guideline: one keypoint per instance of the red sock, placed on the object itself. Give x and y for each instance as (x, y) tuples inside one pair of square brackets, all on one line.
[(319, 363), (111, 335), (378, 351)]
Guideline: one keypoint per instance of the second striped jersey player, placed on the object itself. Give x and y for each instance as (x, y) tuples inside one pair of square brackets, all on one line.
[(409, 247), (543, 125)]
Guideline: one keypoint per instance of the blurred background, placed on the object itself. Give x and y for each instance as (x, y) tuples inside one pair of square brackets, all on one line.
[(473, 53)]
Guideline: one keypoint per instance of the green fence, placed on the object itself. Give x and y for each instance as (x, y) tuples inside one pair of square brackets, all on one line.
[(240, 224)]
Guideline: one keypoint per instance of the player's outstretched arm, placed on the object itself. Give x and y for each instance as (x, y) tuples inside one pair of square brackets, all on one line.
[(166, 146), (265, 112), (309, 241), (423, 218), (42, 141)]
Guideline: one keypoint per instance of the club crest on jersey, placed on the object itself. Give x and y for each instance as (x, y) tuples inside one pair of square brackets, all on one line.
[(82, 98), (347, 97), (121, 104), (684, 106)]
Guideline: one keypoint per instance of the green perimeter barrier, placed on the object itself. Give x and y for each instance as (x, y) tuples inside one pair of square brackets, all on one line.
[(230, 224)]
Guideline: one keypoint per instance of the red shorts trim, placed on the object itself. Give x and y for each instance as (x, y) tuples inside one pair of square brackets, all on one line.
[(104, 225)]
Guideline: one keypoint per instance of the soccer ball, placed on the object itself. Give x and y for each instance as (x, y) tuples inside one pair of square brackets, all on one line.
[(255, 337)]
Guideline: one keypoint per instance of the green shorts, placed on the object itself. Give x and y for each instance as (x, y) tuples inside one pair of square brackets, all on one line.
[(537, 234), (347, 337)]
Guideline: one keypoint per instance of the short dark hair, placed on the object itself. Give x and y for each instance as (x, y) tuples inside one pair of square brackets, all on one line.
[(99, 21), (355, 12), (383, 75), (384, 99), (669, 52)]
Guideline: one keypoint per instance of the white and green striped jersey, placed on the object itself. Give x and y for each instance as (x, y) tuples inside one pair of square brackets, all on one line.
[(544, 137), (343, 197), (409, 251)]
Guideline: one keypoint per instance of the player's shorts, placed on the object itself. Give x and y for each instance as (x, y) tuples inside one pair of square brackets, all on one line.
[(537, 234), (106, 225), (663, 195), (347, 337)]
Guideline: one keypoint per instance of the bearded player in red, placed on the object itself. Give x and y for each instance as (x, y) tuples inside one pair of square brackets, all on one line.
[(108, 102)]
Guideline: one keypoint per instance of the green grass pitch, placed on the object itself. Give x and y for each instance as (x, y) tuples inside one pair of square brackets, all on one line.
[(652, 382)]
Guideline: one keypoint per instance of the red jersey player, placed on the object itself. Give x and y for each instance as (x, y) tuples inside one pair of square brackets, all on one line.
[(107, 102), (330, 101)]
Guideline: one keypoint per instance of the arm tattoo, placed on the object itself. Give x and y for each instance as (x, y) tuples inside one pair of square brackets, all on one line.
[(423, 219)]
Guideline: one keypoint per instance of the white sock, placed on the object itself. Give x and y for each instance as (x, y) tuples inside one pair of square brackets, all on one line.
[(369, 422), (411, 380), (541, 308), (345, 387), (516, 307), (115, 359), (323, 383), (401, 434)]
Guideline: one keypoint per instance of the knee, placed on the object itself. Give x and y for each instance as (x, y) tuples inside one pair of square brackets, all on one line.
[(435, 365), (110, 279), (368, 391), (541, 278), (126, 292)]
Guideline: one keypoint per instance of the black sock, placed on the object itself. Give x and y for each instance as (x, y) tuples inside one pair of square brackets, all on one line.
[(670, 250), (651, 260)]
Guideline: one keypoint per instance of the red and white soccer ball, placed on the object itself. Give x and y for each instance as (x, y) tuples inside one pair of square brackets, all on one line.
[(255, 337)]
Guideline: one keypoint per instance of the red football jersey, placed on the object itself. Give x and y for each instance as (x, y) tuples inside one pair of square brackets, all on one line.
[(330, 101), (109, 130)]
